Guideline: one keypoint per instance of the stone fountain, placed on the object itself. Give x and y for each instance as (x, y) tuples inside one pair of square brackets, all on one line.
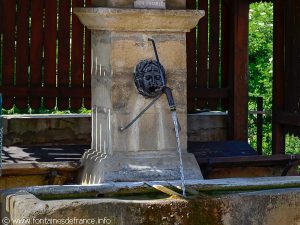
[(131, 176), (120, 40)]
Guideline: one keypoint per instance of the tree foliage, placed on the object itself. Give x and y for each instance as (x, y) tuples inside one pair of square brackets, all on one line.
[(261, 74), (260, 68), (261, 51)]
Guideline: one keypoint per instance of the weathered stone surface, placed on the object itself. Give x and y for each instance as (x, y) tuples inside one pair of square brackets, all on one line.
[(211, 126), (226, 202), (171, 4), (261, 207), (76, 129), (150, 4), (153, 131), (46, 129), (176, 4), (117, 102), (122, 51), (33, 174), (137, 166), (113, 3), (117, 19), (120, 40), (250, 171), (7, 182), (129, 48)]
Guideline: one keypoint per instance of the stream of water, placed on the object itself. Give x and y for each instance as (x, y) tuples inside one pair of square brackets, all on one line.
[(175, 121)]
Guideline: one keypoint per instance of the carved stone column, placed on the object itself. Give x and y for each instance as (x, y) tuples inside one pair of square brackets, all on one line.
[(147, 150)]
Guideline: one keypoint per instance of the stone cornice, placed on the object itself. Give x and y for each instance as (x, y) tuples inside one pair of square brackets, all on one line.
[(146, 20)]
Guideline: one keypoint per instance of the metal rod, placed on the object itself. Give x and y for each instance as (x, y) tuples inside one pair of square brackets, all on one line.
[(140, 114), (157, 59), (263, 112), (154, 47)]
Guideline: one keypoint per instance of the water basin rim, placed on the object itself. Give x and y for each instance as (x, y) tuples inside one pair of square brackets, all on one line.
[(199, 185)]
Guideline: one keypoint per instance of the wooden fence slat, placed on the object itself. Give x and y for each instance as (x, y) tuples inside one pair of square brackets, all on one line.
[(77, 54), (240, 71), (43, 73), (1, 17), (1, 31), (292, 59), (214, 32), (202, 72), (36, 49), (63, 51), (293, 100), (191, 60), (225, 43), (22, 50), (289, 70), (278, 77), (9, 11), (87, 67), (50, 50), (288, 55), (87, 62), (297, 78)]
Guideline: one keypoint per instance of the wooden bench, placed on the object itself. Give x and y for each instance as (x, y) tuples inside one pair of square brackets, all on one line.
[(238, 159)]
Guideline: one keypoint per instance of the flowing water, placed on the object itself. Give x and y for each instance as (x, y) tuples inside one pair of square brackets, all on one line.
[(175, 121)]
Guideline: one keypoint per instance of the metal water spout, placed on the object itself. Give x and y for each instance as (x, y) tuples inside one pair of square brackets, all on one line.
[(170, 98)]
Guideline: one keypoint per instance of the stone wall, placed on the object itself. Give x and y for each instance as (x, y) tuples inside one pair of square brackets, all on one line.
[(208, 126), (38, 174), (76, 129), (47, 130)]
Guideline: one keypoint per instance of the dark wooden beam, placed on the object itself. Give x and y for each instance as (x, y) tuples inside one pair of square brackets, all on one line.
[(225, 47), (246, 161), (285, 118), (208, 93), (258, 1), (278, 76), (191, 60), (292, 64), (239, 69)]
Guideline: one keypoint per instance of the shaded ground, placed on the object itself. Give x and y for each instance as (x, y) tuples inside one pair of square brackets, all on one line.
[(25, 154), (17, 154)]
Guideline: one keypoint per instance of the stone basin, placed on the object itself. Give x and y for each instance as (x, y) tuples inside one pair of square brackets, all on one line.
[(235, 201), (117, 19)]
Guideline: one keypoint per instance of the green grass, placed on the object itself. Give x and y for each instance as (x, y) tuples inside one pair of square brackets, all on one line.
[(43, 110)]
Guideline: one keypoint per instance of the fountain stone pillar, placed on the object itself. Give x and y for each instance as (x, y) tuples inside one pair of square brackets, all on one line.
[(147, 150)]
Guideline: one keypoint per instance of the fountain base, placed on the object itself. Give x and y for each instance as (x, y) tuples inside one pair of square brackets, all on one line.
[(138, 166)]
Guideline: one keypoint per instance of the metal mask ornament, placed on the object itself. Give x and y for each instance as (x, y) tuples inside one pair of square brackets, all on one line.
[(150, 81), (149, 78)]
